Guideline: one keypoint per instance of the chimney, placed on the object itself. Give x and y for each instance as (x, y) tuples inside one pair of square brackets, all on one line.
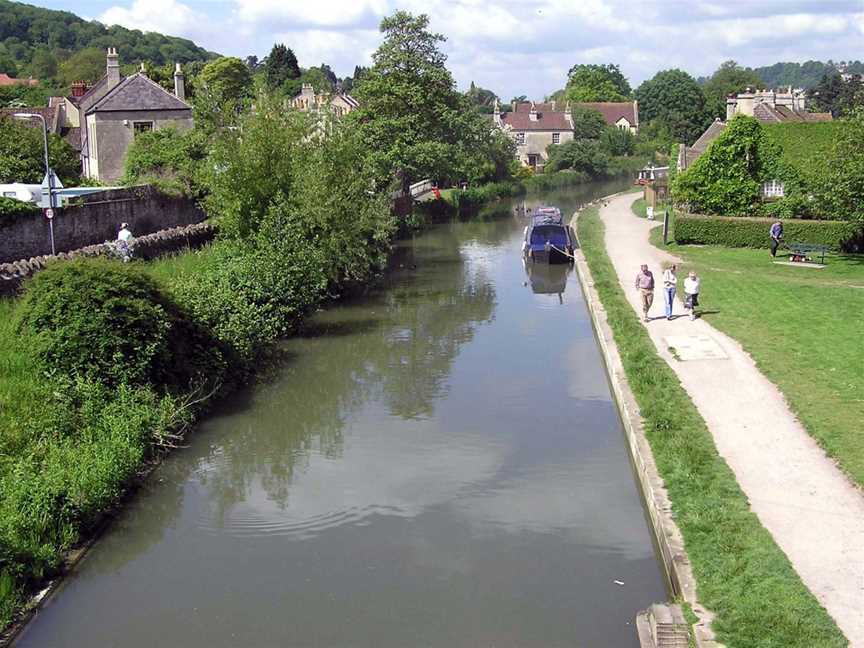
[(568, 114), (112, 68), (179, 83), (79, 89), (533, 116), (513, 106)]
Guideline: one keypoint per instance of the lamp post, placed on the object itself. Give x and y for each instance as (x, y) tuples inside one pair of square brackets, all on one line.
[(49, 175)]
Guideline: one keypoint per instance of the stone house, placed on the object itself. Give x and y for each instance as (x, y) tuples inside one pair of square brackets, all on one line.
[(340, 103), (107, 116), (773, 106), (534, 127)]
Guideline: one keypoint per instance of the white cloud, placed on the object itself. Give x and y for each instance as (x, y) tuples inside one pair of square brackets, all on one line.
[(164, 16), (339, 49), (329, 13)]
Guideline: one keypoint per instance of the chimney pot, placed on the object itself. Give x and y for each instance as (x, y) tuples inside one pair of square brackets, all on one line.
[(112, 68), (179, 83)]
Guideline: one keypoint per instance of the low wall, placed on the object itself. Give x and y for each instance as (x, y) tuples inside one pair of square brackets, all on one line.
[(146, 247), (95, 219)]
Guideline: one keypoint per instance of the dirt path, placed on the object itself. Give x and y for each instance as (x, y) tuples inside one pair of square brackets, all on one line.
[(811, 509)]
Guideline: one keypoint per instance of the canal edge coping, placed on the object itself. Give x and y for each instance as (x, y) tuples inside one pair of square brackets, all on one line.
[(676, 562)]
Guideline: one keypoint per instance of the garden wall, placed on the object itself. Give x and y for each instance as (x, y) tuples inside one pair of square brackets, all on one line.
[(96, 219)]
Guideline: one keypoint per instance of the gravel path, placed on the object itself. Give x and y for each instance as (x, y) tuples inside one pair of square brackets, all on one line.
[(814, 513)]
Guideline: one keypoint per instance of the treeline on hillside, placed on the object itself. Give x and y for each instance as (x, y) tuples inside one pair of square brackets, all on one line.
[(803, 75)]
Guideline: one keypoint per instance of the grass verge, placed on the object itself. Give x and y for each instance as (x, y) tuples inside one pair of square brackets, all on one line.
[(802, 326), (640, 208), (759, 600)]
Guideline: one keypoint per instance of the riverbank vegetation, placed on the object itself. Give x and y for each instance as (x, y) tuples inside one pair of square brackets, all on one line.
[(803, 328), (742, 576)]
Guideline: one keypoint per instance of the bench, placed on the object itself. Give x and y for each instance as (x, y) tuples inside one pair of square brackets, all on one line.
[(800, 251)]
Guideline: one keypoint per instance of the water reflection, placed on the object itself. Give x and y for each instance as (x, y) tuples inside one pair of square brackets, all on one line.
[(547, 278)]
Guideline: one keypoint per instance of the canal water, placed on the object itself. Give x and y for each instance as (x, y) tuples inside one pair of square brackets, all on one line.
[(438, 463)]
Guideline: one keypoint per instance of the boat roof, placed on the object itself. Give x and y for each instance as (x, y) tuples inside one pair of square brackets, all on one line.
[(547, 216)]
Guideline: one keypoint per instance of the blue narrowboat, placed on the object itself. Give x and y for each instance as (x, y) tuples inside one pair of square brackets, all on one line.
[(547, 238)]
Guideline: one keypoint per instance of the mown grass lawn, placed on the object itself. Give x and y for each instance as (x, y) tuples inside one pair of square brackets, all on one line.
[(805, 329), (640, 208), (742, 575)]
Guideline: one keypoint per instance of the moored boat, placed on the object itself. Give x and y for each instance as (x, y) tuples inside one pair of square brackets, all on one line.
[(547, 238)]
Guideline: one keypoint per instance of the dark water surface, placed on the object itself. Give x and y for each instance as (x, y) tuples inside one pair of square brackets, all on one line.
[(437, 464)]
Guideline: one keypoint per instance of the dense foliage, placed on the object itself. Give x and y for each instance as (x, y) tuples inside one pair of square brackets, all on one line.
[(22, 157), (840, 195), (730, 78), (753, 232), (10, 209), (673, 99), (280, 65), (414, 122), (107, 322), (168, 159), (802, 75), (586, 156), (837, 96), (41, 40), (587, 82)]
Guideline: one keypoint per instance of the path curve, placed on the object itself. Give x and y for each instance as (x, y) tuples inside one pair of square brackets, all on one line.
[(813, 511)]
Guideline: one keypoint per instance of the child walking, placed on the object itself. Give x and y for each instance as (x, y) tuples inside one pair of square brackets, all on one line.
[(691, 294)]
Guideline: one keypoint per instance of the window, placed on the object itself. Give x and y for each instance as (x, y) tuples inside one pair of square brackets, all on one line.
[(773, 189), (10, 194), (556, 138), (520, 139), (142, 126)]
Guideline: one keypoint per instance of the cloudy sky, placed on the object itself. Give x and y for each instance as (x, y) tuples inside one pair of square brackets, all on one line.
[(513, 46)]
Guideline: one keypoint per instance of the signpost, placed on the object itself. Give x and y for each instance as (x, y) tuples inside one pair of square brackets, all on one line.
[(49, 183)]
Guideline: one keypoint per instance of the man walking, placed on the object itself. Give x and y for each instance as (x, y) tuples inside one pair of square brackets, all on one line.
[(776, 237), (670, 287), (645, 286)]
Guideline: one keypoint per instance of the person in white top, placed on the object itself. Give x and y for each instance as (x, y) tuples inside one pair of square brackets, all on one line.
[(670, 286), (691, 294), (125, 240)]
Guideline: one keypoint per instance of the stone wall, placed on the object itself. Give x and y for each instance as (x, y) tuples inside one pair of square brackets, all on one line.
[(95, 220), (146, 247)]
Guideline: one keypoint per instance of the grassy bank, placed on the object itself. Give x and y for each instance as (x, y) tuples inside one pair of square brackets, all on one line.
[(804, 328), (640, 208), (742, 575)]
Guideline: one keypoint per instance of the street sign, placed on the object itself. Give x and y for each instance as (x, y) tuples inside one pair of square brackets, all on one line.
[(49, 213), (55, 185)]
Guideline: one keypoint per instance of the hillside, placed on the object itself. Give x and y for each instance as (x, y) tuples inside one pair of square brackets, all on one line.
[(58, 45), (801, 75)]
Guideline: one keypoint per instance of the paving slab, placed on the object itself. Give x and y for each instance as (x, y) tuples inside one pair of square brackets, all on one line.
[(695, 347)]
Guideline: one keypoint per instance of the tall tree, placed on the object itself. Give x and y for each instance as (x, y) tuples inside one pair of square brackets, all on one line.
[(281, 65), (841, 193), (21, 154), (413, 120), (833, 94), (596, 83), (673, 98), (730, 78), (86, 65)]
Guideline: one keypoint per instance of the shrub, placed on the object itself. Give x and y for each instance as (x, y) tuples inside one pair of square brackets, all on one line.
[(109, 322), (12, 209), (753, 232), (586, 156), (168, 159)]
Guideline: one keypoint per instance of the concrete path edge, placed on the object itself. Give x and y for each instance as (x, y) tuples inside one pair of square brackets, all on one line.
[(668, 536)]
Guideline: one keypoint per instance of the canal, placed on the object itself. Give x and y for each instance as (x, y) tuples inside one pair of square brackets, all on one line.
[(438, 463)]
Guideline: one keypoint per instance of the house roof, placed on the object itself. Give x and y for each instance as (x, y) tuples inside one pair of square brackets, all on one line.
[(781, 114), (547, 120), (6, 80), (711, 133), (92, 90), (45, 111), (137, 92), (613, 111)]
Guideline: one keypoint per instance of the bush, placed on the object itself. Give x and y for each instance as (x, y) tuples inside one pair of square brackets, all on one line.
[(168, 159), (585, 156), (111, 323), (753, 232), (12, 209)]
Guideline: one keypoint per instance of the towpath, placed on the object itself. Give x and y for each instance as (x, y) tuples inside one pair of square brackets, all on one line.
[(814, 513)]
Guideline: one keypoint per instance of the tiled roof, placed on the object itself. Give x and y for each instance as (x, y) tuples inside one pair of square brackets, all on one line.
[(711, 133), (782, 114), (137, 92), (46, 112), (614, 110), (525, 106), (92, 90), (547, 120), (6, 80)]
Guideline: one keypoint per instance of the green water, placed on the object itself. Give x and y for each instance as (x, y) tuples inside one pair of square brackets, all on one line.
[(438, 463)]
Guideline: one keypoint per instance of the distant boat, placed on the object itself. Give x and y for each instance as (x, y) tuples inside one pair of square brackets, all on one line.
[(547, 238)]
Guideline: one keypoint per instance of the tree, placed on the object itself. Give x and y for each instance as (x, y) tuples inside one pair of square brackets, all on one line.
[(834, 95), (221, 91), (280, 65), (618, 141), (596, 83), (843, 187), (43, 65), (674, 98), (585, 156), (86, 65), (587, 124), (415, 123), (168, 159), (22, 158), (730, 78), (482, 98), (8, 65)]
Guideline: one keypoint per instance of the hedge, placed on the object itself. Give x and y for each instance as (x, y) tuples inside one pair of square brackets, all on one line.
[(11, 209), (737, 231)]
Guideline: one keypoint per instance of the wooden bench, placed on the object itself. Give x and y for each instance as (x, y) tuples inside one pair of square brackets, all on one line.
[(800, 251)]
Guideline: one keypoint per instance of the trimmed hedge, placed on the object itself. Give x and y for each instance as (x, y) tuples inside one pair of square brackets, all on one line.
[(12, 209), (737, 231)]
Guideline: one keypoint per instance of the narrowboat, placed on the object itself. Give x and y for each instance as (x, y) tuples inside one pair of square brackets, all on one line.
[(547, 238)]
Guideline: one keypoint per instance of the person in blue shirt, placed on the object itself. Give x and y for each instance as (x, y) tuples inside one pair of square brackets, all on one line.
[(776, 237)]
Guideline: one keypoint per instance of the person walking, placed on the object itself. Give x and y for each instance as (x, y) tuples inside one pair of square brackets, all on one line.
[(776, 233), (670, 286), (645, 286), (691, 294)]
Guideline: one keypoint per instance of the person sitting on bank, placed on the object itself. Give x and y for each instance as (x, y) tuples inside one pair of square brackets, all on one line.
[(645, 286), (691, 294), (125, 240), (776, 236)]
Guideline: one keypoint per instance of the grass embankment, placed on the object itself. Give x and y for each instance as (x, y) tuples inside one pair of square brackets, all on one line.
[(640, 208), (742, 575), (803, 327)]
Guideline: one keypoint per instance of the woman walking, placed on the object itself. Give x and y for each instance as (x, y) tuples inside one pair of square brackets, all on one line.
[(691, 294), (670, 285)]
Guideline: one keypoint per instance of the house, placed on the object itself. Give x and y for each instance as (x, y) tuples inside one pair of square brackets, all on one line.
[(340, 103), (773, 106), (6, 80), (655, 184), (534, 127), (621, 114), (687, 155)]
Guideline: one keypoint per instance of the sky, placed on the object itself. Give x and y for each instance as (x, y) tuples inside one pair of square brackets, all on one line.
[(513, 47)]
